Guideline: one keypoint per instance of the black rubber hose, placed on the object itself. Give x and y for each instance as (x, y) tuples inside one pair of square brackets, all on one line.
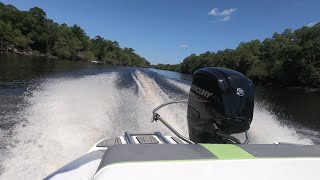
[(227, 136)]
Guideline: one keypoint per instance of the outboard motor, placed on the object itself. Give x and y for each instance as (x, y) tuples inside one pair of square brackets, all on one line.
[(220, 103)]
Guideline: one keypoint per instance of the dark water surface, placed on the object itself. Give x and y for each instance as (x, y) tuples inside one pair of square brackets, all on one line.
[(54, 110)]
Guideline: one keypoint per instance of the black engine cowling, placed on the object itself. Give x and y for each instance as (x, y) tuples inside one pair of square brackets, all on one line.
[(219, 99)]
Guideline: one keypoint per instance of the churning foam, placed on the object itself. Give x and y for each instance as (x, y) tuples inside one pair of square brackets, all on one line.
[(67, 116), (266, 129), (175, 115), (179, 85)]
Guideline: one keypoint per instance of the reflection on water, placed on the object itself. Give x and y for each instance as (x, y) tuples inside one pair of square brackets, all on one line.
[(18, 72)]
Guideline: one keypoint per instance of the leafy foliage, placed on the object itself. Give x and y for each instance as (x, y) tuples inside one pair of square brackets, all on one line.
[(291, 58), (32, 29)]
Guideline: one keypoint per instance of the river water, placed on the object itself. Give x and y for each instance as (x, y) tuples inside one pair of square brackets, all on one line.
[(53, 111)]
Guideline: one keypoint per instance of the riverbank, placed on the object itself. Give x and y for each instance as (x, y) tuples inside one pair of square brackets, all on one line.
[(309, 90), (12, 50), (297, 88), (27, 52), (30, 53)]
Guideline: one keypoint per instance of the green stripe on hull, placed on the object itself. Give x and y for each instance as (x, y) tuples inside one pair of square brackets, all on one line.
[(228, 151)]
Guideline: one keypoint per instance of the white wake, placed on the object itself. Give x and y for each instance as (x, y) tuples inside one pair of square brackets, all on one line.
[(68, 115)]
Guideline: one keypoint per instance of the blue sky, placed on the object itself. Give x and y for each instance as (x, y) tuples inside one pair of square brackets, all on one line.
[(167, 31)]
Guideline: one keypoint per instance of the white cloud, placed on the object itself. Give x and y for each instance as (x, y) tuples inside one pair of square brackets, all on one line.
[(184, 46), (226, 18), (312, 24), (226, 12)]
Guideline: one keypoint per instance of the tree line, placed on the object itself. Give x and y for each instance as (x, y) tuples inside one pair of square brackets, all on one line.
[(32, 31), (290, 58)]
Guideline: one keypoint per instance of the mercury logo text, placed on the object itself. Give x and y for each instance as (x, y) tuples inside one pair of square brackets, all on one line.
[(201, 91)]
